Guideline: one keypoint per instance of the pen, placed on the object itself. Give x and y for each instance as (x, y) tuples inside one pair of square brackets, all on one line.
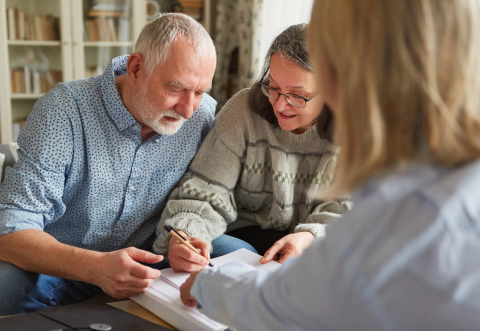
[(180, 238)]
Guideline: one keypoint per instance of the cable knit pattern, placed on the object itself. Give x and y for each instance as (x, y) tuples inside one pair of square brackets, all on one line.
[(248, 172)]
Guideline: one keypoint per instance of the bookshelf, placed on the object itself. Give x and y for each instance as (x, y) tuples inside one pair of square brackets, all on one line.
[(66, 48), (105, 29)]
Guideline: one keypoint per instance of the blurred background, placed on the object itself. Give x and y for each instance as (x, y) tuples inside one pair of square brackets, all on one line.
[(43, 42)]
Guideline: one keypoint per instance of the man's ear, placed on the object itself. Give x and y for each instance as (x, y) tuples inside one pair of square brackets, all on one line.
[(135, 68)]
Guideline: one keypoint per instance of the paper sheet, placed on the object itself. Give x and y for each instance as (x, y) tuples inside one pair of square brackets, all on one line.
[(178, 278), (163, 296)]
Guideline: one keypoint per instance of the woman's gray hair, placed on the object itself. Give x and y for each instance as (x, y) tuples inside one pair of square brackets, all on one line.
[(157, 37), (291, 44)]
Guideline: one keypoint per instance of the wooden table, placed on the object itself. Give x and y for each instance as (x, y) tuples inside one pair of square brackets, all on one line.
[(133, 308)]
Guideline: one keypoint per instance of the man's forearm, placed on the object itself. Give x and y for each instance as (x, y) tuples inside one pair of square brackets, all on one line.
[(36, 251)]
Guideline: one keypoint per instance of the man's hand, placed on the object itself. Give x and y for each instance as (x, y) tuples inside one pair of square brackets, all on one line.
[(185, 295), (120, 275), (289, 246), (181, 258)]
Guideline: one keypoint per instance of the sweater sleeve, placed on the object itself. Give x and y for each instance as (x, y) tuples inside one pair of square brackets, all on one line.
[(315, 223), (203, 203)]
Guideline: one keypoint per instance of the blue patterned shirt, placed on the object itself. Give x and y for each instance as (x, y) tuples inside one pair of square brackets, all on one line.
[(84, 175)]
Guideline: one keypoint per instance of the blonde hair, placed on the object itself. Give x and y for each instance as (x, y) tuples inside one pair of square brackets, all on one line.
[(407, 76)]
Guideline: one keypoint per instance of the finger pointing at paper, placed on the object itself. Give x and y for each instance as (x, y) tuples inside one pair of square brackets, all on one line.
[(289, 246)]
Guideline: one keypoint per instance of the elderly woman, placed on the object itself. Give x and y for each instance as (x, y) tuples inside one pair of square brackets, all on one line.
[(258, 174), (402, 78)]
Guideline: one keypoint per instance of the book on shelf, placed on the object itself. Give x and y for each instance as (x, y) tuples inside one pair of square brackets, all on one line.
[(26, 80), (195, 13), (191, 3), (21, 24), (162, 298), (192, 8), (112, 31), (108, 6), (95, 13), (32, 27), (123, 29), (107, 29), (12, 31)]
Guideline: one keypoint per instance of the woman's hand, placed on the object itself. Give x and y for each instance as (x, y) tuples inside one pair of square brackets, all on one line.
[(185, 295), (181, 258), (289, 246)]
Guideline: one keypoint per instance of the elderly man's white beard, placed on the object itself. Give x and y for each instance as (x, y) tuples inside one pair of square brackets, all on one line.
[(155, 120)]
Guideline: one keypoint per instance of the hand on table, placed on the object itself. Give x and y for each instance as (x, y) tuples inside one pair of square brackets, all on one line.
[(181, 258), (185, 295), (119, 274), (289, 246)]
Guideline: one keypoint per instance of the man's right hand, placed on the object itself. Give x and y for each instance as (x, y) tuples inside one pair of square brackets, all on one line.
[(181, 258), (119, 274)]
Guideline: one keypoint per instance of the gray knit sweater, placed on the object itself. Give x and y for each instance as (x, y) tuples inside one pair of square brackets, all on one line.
[(248, 172)]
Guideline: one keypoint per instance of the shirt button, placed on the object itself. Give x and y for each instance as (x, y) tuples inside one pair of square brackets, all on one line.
[(120, 226), (121, 125), (132, 187), (135, 127)]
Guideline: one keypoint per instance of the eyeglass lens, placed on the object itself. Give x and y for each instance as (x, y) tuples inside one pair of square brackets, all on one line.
[(273, 94)]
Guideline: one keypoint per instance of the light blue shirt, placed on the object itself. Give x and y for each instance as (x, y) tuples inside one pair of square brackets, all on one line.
[(83, 174), (405, 258)]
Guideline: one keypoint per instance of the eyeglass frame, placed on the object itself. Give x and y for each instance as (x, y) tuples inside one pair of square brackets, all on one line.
[(279, 94)]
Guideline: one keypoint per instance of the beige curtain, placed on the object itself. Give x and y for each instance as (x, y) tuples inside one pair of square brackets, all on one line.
[(244, 31)]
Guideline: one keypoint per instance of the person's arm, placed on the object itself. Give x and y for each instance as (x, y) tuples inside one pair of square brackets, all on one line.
[(319, 217), (203, 203), (292, 298), (31, 198), (117, 273), (403, 265), (313, 227)]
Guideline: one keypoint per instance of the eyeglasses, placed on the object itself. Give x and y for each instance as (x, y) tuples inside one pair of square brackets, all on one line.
[(293, 99)]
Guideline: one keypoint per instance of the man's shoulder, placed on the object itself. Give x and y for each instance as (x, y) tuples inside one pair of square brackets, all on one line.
[(208, 105), (63, 96), (84, 88)]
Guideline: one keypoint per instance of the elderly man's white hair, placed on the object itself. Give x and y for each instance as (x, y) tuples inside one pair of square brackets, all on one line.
[(158, 35)]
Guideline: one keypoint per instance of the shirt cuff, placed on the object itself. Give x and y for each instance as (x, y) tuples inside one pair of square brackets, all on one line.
[(317, 230), (210, 284)]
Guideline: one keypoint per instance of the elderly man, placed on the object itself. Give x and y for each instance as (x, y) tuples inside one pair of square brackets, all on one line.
[(97, 160)]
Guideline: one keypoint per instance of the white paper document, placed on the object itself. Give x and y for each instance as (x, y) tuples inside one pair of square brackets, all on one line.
[(163, 296)]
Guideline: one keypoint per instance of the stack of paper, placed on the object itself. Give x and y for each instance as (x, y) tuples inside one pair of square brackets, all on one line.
[(163, 296)]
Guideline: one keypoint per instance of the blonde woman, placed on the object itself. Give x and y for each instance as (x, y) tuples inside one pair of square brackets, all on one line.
[(403, 80)]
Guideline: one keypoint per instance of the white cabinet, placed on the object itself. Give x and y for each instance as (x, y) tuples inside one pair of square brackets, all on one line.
[(42, 42), (68, 47)]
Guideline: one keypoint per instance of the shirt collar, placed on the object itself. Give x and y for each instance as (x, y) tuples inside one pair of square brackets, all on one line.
[(119, 114)]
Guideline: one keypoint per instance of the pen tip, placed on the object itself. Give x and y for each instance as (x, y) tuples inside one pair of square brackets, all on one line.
[(168, 228)]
